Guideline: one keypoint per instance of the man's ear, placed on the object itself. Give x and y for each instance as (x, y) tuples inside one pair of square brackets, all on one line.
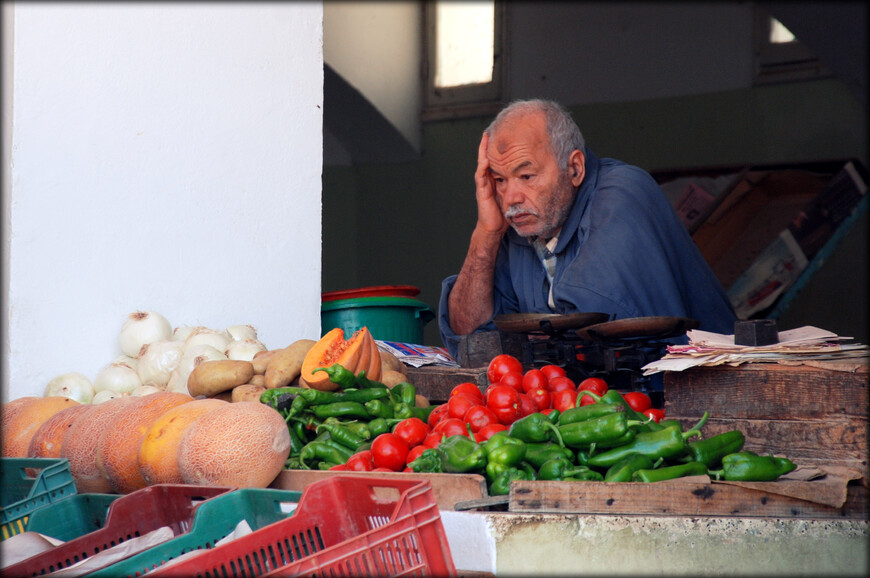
[(577, 167)]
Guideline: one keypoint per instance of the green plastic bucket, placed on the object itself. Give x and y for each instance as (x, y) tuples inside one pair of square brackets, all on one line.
[(388, 318)]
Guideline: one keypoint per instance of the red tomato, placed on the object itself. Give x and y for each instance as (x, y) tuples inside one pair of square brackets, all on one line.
[(657, 415), (467, 388), (451, 427), (594, 384), (513, 379), (389, 451), (413, 430), (460, 403), (504, 401), (502, 364), (584, 399), (433, 440), (534, 379), (384, 469), (487, 432), (541, 397), (414, 453), (564, 399), (559, 383), (527, 405), (479, 416), (360, 462), (339, 468), (547, 411), (638, 401), (551, 371), (436, 415)]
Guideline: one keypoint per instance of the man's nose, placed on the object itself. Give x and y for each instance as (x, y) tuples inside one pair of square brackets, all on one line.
[(513, 193)]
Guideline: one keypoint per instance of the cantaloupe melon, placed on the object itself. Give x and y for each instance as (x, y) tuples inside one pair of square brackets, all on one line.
[(244, 445), (81, 443), (118, 447), (158, 454), (48, 439), (21, 427), (8, 411)]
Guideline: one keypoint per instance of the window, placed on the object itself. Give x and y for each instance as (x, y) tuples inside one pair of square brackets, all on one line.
[(779, 56), (464, 58)]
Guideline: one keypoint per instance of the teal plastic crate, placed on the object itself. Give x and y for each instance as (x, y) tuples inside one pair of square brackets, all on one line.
[(27, 484), (213, 520), (73, 517), (388, 318)]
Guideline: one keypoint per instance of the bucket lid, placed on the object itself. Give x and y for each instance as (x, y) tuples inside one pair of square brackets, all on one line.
[(373, 302), (374, 291)]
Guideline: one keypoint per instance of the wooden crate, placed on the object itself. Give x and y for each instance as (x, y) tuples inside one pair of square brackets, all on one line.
[(813, 416), (435, 382)]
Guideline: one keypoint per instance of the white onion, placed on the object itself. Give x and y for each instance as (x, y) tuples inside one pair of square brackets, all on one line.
[(73, 385), (117, 378), (104, 395), (145, 390), (182, 332), (142, 328), (157, 361), (242, 332), (217, 339), (130, 362), (244, 350)]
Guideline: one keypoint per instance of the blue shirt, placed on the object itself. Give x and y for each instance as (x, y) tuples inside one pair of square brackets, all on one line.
[(622, 251)]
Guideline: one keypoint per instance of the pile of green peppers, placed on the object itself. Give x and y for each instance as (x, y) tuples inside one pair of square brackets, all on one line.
[(606, 441), (327, 427)]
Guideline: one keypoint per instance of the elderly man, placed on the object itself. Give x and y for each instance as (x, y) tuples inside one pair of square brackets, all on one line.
[(561, 231)]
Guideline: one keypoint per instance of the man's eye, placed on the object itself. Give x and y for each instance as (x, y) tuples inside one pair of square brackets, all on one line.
[(525, 177)]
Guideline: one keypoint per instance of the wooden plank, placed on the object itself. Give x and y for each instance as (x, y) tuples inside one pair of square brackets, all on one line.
[(677, 498), (448, 489), (435, 382), (768, 391)]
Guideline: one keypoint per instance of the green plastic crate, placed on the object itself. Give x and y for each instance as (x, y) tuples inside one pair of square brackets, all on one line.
[(387, 318), (73, 517), (213, 520), (22, 493)]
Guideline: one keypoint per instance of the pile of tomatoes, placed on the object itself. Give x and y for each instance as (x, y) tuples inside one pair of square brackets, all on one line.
[(511, 395)]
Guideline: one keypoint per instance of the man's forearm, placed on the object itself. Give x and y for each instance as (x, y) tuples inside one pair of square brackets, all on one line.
[(471, 299)]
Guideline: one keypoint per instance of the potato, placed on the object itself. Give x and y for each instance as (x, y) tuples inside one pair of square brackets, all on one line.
[(421, 401), (258, 379), (210, 378), (247, 392), (226, 396), (261, 360), (390, 361), (286, 364), (391, 377)]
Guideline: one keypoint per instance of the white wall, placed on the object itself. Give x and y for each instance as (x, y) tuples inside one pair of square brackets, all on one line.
[(376, 47), (166, 157)]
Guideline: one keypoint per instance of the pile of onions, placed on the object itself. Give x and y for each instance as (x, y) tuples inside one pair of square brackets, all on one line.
[(117, 378), (244, 350), (157, 361), (73, 385)]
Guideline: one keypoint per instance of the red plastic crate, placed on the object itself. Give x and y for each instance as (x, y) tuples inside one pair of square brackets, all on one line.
[(344, 525), (128, 517)]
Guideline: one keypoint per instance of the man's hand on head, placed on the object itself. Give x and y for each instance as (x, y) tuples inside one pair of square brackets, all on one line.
[(490, 219)]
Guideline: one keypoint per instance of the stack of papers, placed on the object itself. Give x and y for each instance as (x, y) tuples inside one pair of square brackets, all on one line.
[(796, 345), (418, 355)]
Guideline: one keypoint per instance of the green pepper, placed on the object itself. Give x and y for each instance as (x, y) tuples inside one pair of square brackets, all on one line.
[(538, 453), (339, 375), (460, 455), (422, 413), (596, 430), (319, 452), (404, 392), (381, 425), (379, 408), (671, 422), (272, 396), (348, 409), (747, 466), (293, 463), (363, 395), (590, 411), (583, 456), (427, 462), (358, 428), (296, 443), (402, 410), (364, 382), (667, 443), (625, 438), (342, 435), (504, 457), (584, 475), (553, 416), (669, 472), (501, 485), (710, 451), (558, 469), (500, 438), (622, 470), (534, 428), (613, 396)]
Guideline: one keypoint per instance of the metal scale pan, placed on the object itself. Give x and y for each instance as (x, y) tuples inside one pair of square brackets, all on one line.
[(548, 323)]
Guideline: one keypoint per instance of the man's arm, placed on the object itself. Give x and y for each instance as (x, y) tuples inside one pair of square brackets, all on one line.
[(471, 300)]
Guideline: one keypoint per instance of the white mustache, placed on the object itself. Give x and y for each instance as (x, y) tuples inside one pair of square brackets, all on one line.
[(516, 210)]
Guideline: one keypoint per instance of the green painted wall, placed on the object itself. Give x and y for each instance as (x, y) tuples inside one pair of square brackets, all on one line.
[(409, 223)]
